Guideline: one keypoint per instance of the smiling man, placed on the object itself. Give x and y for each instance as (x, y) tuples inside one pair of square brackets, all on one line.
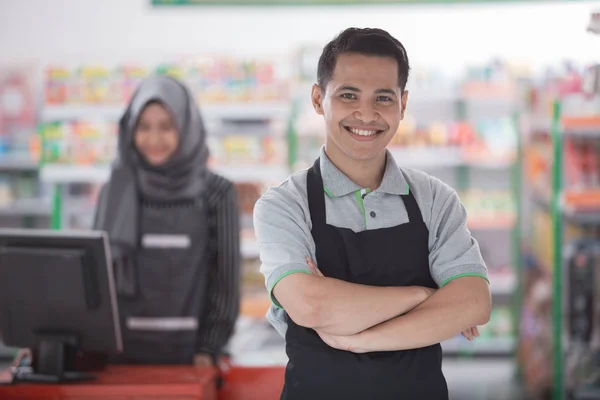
[(396, 271)]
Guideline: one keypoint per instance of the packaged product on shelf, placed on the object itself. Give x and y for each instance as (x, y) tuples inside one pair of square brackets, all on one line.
[(406, 131), (78, 142), (57, 85), (6, 195), (461, 134), (582, 168), (501, 322), (217, 153), (274, 151), (170, 69), (130, 78), (17, 105), (95, 85), (248, 194), (489, 208), (242, 150), (438, 134)]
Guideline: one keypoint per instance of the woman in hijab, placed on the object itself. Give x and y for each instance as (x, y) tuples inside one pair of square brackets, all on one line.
[(174, 233)]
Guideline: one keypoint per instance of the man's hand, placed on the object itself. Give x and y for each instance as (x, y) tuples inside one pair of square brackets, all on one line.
[(345, 343), (352, 343), (471, 333), (203, 360), (461, 303), (313, 267)]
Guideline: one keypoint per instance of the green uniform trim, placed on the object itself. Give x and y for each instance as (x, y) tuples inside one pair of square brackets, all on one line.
[(294, 271), (361, 205), (328, 192), (462, 276)]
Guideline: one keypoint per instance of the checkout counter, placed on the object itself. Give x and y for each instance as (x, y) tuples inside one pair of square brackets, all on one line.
[(78, 313)]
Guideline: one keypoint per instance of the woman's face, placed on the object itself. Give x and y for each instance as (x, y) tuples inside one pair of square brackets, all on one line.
[(156, 137)]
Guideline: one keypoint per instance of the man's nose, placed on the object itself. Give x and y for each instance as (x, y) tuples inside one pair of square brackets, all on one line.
[(366, 112)]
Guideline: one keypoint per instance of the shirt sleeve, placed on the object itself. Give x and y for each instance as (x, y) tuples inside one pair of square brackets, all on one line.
[(283, 236), (453, 252), (223, 287)]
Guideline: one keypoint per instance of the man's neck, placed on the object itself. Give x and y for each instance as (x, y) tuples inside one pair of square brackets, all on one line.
[(366, 173)]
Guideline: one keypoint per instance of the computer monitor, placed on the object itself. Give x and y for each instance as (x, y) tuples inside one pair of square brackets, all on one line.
[(57, 297)]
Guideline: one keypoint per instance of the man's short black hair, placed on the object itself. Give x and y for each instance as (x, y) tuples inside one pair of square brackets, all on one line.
[(365, 41)]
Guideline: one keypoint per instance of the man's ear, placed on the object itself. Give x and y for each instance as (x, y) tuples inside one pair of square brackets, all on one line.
[(403, 102), (317, 99)]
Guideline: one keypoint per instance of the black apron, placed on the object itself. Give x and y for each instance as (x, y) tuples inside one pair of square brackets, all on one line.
[(171, 286), (397, 256)]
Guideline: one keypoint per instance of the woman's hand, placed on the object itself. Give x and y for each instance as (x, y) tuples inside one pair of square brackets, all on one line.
[(203, 360), (22, 355)]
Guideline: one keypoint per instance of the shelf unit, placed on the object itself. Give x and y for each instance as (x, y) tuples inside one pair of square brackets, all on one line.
[(562, 303), (245, 118), (31, 210)]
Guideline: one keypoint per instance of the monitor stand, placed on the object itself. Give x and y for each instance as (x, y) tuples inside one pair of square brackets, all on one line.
[(54, 361)]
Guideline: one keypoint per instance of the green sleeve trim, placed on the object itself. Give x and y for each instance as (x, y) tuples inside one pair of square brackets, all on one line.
[(462, 276), (328, 192), (294, 271), (359, 200), (407, 189)]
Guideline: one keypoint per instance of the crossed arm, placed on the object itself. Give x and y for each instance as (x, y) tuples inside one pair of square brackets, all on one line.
[(365, 318), (362, 319), (339, 308)]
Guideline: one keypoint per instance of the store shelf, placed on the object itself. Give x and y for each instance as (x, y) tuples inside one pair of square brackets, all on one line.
[(539, 124), (587, 393), (440, 157), (74, 173), (570, 214), (82, 112), (570, 126), (17, 164), (580, 217), (253, 173), (502, 284), (249, 249), (581, 126), (479, 346), (26, 208), (491, 224), (241, 111), (583, 132), (6, 353), (225, 111), (428, 157)]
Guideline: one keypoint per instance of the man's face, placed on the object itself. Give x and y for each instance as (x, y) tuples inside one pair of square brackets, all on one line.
[(362, 106)]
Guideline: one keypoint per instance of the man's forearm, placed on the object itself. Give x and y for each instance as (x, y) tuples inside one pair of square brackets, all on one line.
[(459, 305), (341, 308)]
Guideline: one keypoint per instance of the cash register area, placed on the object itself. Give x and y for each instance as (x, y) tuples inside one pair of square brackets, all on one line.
[(503, 107)]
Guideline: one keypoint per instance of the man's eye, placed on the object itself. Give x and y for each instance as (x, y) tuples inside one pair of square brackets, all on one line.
[(384, 98), (348, 96)]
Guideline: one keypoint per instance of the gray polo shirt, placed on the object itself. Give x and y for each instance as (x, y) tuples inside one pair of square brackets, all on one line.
[(283, 226)]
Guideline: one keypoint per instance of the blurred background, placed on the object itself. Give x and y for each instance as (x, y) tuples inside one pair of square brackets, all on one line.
[(503, 106)]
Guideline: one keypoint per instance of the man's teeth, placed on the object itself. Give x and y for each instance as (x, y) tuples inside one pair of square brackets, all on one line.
[(362, 132)]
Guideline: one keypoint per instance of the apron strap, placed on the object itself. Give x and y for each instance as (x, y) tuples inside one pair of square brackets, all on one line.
[(412, 208), (316, 198)]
